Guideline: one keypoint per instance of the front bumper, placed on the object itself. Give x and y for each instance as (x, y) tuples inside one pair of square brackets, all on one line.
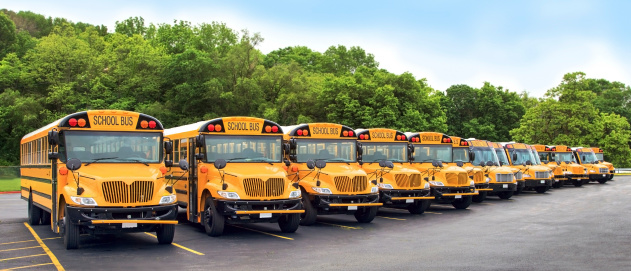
[(538, 182), (250, 207), (451, 192), (327, 201), (116, 219), (500, 187), (398, 195), (599, 176)]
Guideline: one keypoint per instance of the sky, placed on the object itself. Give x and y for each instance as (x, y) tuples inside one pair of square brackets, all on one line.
[(519, 45)]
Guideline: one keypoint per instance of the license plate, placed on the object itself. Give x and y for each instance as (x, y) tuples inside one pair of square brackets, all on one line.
[(129, 225), (352, 207), (604, 175), (458, 196), (504, 186), (409, 201), (542, 181), (266, 215)]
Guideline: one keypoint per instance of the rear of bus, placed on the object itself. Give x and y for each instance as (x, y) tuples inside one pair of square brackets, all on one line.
[(536, 178), (236, 174), (573, 173), (502, 181), (108, 177), (400, 186), (542, 153), (587, 158), (324, 159), (517, 172), (601, 158), (449, 184), (460, 154)]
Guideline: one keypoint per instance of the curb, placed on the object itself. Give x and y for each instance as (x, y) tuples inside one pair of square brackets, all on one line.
[(10, 192)]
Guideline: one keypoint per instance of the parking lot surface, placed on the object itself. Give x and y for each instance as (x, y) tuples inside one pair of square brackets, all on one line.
[(572, 228)]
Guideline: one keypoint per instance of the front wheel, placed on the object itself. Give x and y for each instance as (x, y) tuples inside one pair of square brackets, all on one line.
[(289, 223), (505, 194), (541, 189), (165, 234), (34, 212), (211, 218), (480, 197), (366, 214), (308, 218), (520, 188), (419, 206), (71, 232), (577, 183), (462, 203)]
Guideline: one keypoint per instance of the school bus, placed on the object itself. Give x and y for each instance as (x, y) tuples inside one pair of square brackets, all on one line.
[(402, 185), (600, 155), (325, 162), (502, 181), (562, 155), (98, 172), (449, 184), (503, 159), (460, 153), (587, 158), (536, 178), (236, 174), (537, 161), (542, 152)]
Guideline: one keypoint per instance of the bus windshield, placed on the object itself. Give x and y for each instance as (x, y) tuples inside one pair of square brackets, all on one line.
[(563, 157), (522, 156), (600, 156), (429, 153), (544, 156), (501, 155), (327, 150), (588, 157), (243, 148), (461, 154), (375, 152), (484, 155), (111, 147), (535, 157)]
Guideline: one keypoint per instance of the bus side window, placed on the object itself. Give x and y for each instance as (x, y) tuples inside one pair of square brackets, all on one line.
[(176, 151), (183, 149)]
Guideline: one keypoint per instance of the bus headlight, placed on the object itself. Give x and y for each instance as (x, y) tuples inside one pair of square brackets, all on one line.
[(294, 194), (426, 186), (592, 171), (566, 172), (385, 185), (167, 199), (436, 183), (488, 180), (472, 184), (83, 201), (526, 175), (322, 190), (375, 189), (229, 195)]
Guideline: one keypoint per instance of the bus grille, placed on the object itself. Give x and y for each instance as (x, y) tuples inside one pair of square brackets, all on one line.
[(120, 192), (456, 178), (403, 180), (478, 177), (541, 175), (604, 170), (499, 177), (519, 175), (345, 184), (255, 187)]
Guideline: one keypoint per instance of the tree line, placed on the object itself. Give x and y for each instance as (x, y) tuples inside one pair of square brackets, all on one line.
[(182, 73)]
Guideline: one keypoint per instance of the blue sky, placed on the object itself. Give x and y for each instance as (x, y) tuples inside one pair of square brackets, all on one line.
[(520, 45)]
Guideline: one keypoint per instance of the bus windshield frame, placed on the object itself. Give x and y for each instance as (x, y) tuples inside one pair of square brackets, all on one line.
[(487, 152), (590, 157), (243, 148), (563, 157), (600, 156), (501, 156), (329, 150), (435, 152), (523, 155), (375, 152), (111, 146), (460, 154), (545, 156)]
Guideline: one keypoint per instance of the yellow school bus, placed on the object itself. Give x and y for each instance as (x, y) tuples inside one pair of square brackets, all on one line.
[(542, 153), (587, 158), (460, 153), (536, 178), (402, 185), (502, 181), (573, 173), (98, 172), (325, 161), (449, 184), (600, 155), (236, 174), (501, 156), (537, 162)]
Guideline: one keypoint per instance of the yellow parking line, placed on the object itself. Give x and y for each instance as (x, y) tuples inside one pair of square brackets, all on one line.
[(21, 257), (391, 218), (288, 238), (29, 266), (16, 242), (341, 226), (51, 238), (17, 248), (486, 203), (180, 246), (434, 213), (41, 243)]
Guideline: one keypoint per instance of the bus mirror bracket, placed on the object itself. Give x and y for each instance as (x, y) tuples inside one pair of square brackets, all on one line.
[(168, 163), (53, 155), (199, 156), (287, 162), (72, 165)]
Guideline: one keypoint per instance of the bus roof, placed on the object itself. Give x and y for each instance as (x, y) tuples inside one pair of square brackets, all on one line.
[(597, 149), (229, 125), (495, 145), (320, 130), (559, 148), (539, 147), (429, 138), (582, 149), (513, 145), (480, 143), (380, 135)]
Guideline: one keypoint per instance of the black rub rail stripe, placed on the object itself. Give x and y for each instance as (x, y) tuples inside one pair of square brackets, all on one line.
[(41, 180), (180, 191), (41, 194), (175, 178), (35, 166)]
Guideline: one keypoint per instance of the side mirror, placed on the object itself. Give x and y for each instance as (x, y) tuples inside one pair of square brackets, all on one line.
[(168, 163), (410, 148), (385, 163), (529, 162), (293, 144), (482, 164), (471, 155), (490, 163), (53, 138), (459, 163), (199, 141), (286, 148), (434, 163), (582, 158), (287, 162), (360, 150), (320, 164), (199, 156), (73, 164), (440, 163), (220, 164), (168, 147), (514, 156), (552, 154), (183, 164), (53, 155), (545, 162), (310, 164)]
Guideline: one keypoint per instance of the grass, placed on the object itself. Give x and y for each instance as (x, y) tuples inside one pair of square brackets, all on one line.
[(12, 184)]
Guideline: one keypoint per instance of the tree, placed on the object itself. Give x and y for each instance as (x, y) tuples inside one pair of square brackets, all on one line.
[(7, 35)]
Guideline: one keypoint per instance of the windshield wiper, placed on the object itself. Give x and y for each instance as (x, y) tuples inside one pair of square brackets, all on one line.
[(99, 159), (137, 161), (336, 160), (236, 158)]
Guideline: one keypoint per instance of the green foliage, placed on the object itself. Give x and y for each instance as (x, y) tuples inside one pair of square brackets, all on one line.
[(7, 34)]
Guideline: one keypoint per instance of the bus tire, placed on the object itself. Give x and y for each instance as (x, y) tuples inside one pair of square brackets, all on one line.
[(602, 181), (519, 190), (165, 234), (71, 232), (577, 183), (419, 206), (366, 214), (541, 189), (308, 218), (212, 220), (45, 218), (505, 194), (34, 212), (480, 197), (462, 203), (289, 223)]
